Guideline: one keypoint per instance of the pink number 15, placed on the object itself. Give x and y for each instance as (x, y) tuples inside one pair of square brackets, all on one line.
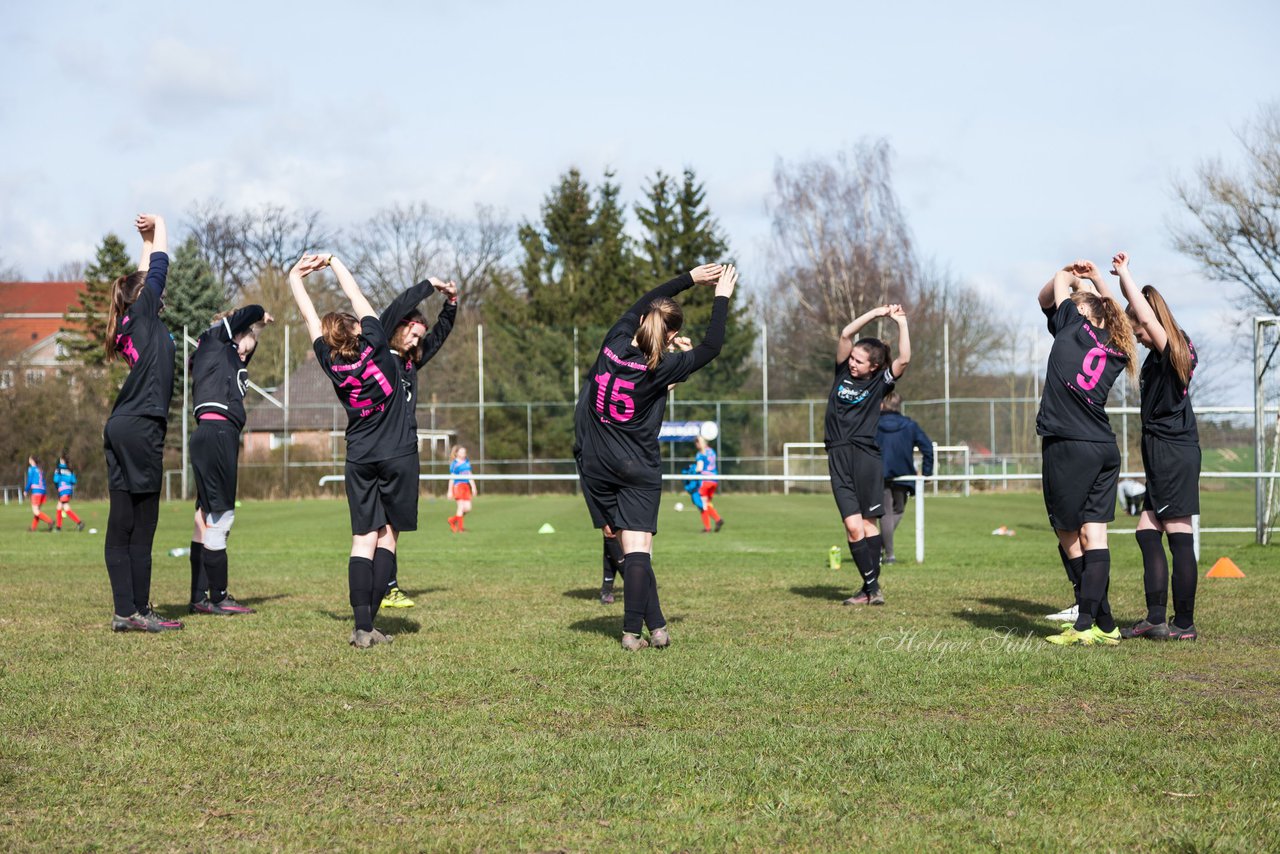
[(621, 405), (1095, 362)]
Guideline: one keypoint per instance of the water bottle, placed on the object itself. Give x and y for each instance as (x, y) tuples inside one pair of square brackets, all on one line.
[(179, 552), (833, 557)]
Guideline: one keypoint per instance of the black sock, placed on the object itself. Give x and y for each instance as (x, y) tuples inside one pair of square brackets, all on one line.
[(1093, 591), (611, 562), (875, 545), (360, 586), (1185, 577), (635, 591), (215, 563), (653, 611), (384, 569), (1074, 567), (121, 576), (199, 580), (1155, 574), (858, 549)]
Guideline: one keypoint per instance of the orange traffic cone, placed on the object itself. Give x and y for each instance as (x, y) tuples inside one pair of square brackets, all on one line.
[(1225, 568)]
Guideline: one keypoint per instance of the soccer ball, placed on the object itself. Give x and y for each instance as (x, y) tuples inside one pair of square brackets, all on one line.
[(679, 506), (709, 430)]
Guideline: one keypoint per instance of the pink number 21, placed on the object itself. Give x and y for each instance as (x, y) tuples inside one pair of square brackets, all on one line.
[(370, 370), (1095, 362)]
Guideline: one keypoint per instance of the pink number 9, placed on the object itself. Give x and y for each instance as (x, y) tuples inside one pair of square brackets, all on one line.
[(1095, 362)]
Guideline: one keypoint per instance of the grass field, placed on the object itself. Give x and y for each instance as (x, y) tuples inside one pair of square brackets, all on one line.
[(505, 716)]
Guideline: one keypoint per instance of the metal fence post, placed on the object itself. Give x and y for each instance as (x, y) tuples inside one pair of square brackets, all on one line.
[(186, 384)]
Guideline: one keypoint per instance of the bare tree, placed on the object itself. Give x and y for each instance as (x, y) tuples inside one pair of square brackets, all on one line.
[(241, 245), (404, 244), (1234, 227), (68, 271), (9, 272)]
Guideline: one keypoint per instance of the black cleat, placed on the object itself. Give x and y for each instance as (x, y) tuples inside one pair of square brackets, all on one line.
[(719, 525), (1145, 629), (606, 595), (1179, 633)]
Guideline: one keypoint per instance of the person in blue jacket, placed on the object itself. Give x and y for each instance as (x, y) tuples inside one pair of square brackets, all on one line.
[(897, 435)]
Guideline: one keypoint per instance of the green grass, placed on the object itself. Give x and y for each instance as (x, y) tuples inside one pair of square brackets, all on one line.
[(506, 717)]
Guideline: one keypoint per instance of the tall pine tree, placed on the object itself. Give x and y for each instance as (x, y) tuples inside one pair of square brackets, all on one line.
[(192, 294), (84, 337), (679, 233)]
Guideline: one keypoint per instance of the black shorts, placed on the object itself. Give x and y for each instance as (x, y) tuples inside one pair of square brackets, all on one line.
[(895, 497), (1173, 478), (215, 452), (621, 506), (857, 481), (1080, 480), (134, 445), (383, 493)]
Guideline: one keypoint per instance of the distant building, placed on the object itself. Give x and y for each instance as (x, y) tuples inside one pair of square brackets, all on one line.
[(30, 338)]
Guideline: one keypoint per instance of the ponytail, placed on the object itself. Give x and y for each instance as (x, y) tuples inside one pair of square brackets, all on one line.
[(1179, 349), (124, 292), (1106, 313), (664, 316), (335, 329)]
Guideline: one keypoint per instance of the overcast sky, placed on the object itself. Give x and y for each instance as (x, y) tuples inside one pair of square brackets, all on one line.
[(1026, 134)]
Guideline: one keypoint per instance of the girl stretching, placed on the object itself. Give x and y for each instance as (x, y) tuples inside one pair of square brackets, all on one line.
[(382, 451), (460, 488), (863, 375), (616, 424), (220, 376), (133, 438), (36, 491), (64, 478), (1092, 343), (413, 347), (1171, 459)]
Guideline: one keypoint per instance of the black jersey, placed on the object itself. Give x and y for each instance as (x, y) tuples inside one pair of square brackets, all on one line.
[(1166, 404), (377, 426), (853, 407), (407, 364), (1082, 369), (619, 411), (219, 378), (145, 343)]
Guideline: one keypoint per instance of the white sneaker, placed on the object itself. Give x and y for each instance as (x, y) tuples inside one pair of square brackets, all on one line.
[(1065, 614)]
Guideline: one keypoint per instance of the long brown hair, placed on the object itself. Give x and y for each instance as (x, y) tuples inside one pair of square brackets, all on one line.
[(124, 292), (876, 349), (335, 329), (1179, 349), (664, 316), (1107, 314), (397, 337)]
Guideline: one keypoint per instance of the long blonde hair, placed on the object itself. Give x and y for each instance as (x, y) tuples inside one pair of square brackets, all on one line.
[(664, 316), (124, 293), (1179, 349), (1108, 314)]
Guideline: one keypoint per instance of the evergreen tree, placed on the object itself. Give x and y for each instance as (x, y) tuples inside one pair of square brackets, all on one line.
[(84, 338), (192, 294), (679, 234), (556, 254)]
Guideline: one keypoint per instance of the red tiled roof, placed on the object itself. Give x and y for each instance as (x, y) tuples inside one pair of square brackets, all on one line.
[(39, 297)]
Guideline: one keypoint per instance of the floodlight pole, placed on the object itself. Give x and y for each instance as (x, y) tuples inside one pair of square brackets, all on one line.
[(480, 361), (764, 365)]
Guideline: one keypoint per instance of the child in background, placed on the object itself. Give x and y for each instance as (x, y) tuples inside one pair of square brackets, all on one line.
[(460, 488), (706, 464), (64, 478), (36, 491)]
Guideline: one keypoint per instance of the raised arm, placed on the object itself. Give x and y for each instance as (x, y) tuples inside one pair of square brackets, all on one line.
[(444, 325), (844, 345), (703, 275), (899, 366), (359, 302), (1138, 303), (1057, 289), (406, 302), (155, 237), (306, 265), (1087, 271), (240, 320), (709, 348)]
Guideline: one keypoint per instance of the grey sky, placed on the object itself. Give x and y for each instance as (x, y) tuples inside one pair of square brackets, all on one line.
[(1027, 134)]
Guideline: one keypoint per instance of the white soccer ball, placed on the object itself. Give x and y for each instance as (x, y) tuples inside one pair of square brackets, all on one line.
[(679, 506), (709, 430), (93, 530)]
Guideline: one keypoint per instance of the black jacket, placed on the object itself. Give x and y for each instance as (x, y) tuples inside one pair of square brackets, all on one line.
[(896, 436)]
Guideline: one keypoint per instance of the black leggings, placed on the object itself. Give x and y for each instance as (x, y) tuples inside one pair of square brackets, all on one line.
[(131, 528)]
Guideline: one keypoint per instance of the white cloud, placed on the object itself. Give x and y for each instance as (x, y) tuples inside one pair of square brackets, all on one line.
[(187, 78)]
